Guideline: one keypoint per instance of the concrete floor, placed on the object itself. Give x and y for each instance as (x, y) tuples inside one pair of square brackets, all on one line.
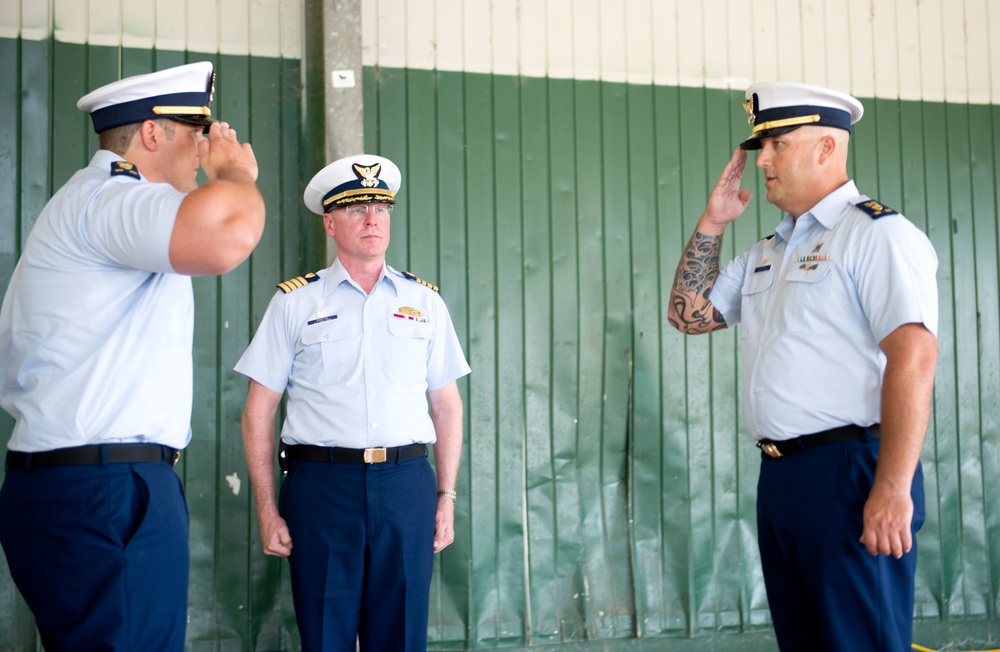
[(953, 636)]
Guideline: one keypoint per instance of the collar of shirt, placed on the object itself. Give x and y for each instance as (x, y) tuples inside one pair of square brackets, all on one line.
[(337, 275), (103, 158), (827, 212)]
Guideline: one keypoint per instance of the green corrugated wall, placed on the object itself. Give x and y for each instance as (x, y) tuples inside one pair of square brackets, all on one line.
[(607, 488)]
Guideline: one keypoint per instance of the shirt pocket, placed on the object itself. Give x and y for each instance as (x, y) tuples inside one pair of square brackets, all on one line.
[(809, 305), (754, 293), (328, 346), (409, 342)]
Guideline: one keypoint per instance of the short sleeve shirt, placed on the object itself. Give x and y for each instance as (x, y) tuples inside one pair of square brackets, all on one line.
[(813, 302), (356, 367), (96, 328)]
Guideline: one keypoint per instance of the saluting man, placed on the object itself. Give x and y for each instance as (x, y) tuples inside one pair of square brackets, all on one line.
[(838, 312), (95, 352), (360, 349)]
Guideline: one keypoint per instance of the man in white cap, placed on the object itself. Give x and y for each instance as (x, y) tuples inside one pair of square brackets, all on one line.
[(95, 349), (360, 349), (838, 313)]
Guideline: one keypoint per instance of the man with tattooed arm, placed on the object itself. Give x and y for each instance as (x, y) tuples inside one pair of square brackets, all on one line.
[(838, 318)]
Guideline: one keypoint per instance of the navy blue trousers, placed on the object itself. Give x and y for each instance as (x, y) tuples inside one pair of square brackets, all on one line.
[(362, 553), (825, 591), (100, 554)]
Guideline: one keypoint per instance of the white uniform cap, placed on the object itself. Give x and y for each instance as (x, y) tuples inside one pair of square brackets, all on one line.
[(353, 180), (183, 93), (778, 107)]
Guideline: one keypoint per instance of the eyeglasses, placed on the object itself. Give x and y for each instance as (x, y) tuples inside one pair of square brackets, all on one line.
[(360, 210)]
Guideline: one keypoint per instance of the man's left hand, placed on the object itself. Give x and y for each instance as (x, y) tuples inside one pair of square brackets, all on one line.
[(444, 524), (887, 517)]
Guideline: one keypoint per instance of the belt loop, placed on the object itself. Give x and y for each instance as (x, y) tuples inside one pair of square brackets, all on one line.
[(330, 459), (104, 455), (27, 460)]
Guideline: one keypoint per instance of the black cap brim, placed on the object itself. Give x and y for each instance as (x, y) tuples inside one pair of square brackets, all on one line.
[(197, 120), (753, 142)]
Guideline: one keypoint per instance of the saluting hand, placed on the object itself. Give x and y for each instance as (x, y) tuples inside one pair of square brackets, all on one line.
[(727, 201), (221, 153)]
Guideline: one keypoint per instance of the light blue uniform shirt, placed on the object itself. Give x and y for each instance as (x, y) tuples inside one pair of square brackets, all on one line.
[(356, 367), (96, 328), (813, 302)]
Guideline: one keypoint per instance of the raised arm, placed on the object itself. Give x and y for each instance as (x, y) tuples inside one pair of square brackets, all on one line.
[(219, 224), (690, 311)]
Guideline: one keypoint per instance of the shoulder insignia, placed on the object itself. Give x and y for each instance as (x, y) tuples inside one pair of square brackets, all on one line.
[(875, 209), (297, 282), (421, 281), (124, 168)]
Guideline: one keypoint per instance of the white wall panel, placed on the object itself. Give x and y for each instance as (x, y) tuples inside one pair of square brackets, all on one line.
[(765, 39), (264, 29), (475, 25), (70, 22), (977, 51), (171, 26), (586, 39), (716, 42), (953, 23), (614, 65), (931, 61), (138, 24), (451, 49), (505, 41), (687, 30), (533, 21), (883, 48), (559, 38), (267, 28), (420, 19)]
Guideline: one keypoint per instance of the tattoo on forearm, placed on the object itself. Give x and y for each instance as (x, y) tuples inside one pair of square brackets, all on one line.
[(696, 274)]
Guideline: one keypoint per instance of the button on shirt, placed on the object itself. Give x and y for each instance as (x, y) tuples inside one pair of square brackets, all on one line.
[(813, 302), (356, 367), (96, 329)]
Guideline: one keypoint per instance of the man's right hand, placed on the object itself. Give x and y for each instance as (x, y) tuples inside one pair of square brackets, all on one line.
[(221, 153), (727, 201), (275, 536)]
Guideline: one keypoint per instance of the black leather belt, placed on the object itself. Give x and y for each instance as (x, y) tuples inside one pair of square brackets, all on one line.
[(832, 436), (308, 453), (94, 454)]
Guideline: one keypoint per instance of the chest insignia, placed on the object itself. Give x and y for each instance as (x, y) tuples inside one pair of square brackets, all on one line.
[(421, 281), (875, 209), (297, 282), (124, 168)]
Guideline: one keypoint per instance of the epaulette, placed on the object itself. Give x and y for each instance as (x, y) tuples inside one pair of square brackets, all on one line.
[(875, 209), (297, 282), (124, 168), (421, 281)]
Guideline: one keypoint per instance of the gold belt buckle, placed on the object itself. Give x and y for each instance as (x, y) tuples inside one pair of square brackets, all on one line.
[(771, 449), (374, 455)]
